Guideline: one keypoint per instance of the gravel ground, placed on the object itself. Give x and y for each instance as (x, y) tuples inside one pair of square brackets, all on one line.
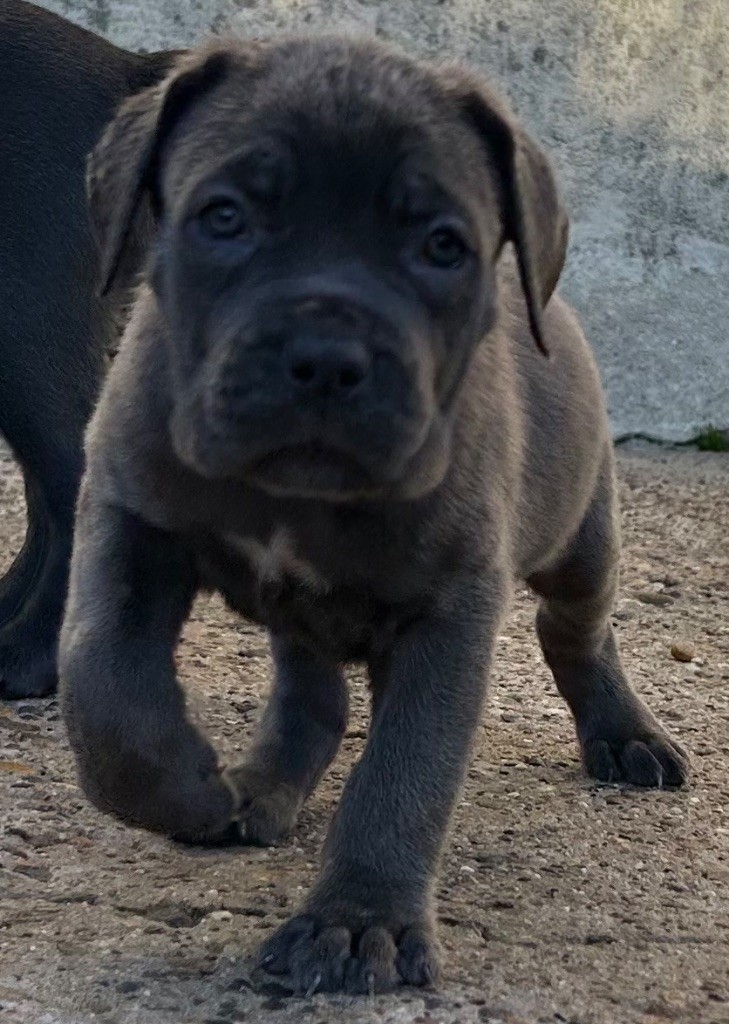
[(560, 900)]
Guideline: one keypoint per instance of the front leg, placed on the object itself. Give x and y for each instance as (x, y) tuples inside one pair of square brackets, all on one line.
[(138, 755), (369, 921)]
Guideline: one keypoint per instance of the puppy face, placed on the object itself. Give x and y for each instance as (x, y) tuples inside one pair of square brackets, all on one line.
[(328, 224)]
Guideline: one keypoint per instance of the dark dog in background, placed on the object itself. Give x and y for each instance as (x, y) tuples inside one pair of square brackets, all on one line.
[(59, 86), (329, 405)]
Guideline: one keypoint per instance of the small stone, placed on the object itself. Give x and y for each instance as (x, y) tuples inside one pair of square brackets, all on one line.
[(625, 613), (682, 651), (220, 915)]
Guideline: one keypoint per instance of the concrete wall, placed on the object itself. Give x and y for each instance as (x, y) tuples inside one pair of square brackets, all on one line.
[(632, 98)]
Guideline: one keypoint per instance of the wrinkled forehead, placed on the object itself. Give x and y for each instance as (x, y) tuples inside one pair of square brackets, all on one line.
[(354, 119)]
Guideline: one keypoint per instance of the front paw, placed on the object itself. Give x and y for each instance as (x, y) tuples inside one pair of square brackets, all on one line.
[(26, 675), (165, 780), (267, 807), (333, 951), (27, 661), (629, 745)]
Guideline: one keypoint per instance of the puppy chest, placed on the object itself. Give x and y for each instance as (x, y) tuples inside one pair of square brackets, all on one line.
[(272, 583)]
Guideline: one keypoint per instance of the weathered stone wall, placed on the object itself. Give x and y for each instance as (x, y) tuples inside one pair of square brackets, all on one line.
[(632, 98)]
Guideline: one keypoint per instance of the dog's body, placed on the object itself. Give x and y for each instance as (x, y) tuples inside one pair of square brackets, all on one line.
[(60, 85), (325, 408)]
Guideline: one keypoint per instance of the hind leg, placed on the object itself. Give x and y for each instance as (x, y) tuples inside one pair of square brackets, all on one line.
[(36, 583), (46, 397), (23, 572), (297, 739), (620, 739)]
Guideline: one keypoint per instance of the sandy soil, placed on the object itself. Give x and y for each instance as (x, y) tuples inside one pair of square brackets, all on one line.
[(560, 900)]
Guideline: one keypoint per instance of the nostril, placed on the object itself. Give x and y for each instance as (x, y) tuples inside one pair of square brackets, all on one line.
[(326, 365), (303, 371), (350, 376)]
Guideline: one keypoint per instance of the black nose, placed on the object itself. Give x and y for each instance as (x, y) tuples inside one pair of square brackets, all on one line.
[(327, 365)]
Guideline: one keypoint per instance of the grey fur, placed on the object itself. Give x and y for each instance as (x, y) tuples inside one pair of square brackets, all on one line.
[(361, 449)]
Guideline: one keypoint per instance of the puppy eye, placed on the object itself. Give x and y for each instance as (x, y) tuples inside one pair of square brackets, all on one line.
[(223, 219), (445, 248)]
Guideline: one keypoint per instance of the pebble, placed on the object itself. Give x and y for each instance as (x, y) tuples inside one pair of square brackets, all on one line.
[(683, 651), (220, 915)]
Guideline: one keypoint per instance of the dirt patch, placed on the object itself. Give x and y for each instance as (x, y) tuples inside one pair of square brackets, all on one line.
[(560, 900)]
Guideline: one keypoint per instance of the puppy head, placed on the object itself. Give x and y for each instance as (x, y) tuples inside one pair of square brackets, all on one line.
[(328, 219)]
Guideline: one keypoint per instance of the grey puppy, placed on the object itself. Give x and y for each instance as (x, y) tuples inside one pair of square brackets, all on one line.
[(326, 409)]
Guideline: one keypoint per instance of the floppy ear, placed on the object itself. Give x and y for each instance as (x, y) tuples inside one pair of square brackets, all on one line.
[(121, 169), (534, 217)]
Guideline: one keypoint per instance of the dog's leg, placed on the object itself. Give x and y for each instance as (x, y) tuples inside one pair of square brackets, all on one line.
[(369, 921), (296, 741), (28, 563), (52, 367), (34, 590), (620, 739), (138, 755)]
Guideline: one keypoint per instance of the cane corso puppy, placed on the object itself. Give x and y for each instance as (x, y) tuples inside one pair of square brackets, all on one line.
[(59, 87), (331, 407)]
